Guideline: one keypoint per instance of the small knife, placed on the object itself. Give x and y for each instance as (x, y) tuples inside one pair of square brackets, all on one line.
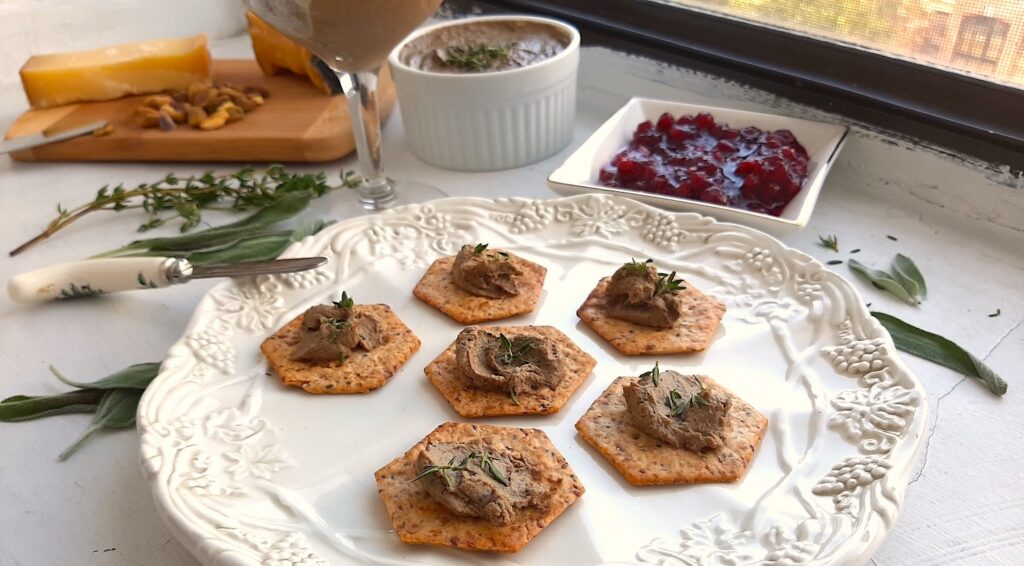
[(42, 138), (111, 275)]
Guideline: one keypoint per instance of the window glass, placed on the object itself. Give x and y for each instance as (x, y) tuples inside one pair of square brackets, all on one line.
[(979, 37)]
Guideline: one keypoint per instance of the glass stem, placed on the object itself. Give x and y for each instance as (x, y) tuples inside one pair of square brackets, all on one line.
[(375, 192)]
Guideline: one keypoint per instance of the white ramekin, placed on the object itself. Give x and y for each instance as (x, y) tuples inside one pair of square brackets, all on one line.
[(489, 121)]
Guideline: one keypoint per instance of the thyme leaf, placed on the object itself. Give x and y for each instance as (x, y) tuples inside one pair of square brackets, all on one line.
[(667, 283), (488, 466), (831, 242), (480, 248), (654, 374)]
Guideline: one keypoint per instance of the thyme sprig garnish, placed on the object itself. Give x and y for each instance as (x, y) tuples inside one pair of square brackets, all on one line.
[(446, 471), (830, 242), (513, 396), (480, 248), (488, 466), (475, 57), (667, 283), (635, 267), (346, 302), (654, 374), (678, 406), (510, 353), (185, 198), (336, 324)]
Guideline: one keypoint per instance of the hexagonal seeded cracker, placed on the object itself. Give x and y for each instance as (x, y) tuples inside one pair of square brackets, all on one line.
[(437, 289), (644, 460), (691, 333), (361, 372), (419, 519), (471, 401)]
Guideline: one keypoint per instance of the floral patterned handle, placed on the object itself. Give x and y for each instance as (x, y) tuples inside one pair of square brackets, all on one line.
[(91, 277)]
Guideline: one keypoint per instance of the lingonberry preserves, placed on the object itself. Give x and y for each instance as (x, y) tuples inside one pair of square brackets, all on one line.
[(697, 158)]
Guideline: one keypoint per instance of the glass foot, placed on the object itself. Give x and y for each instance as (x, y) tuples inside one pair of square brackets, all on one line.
[(404, 192)]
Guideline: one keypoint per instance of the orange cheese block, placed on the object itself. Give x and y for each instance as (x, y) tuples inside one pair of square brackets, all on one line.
[(113, 72), (276, 53)]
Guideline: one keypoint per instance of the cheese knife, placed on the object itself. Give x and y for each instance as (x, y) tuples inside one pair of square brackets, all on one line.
[(111, 275), (42, 138)]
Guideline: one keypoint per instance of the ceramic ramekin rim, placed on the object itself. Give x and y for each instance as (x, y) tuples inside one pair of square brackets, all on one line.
[(574, 43)]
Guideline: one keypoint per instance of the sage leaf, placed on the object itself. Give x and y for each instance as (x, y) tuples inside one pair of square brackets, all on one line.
[(908, 274), (883, 280), (284, 208), (135, 376), (309, 229), (24, 408), (940, 350), (256, 248), (116, 410)]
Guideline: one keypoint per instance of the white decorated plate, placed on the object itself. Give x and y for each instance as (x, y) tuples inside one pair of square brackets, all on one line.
[(245, 471)]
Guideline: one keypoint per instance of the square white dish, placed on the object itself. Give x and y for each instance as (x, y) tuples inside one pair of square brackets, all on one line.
[(579, 173)]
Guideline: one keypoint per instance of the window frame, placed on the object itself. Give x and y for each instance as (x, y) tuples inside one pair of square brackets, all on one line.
[(965, 113)]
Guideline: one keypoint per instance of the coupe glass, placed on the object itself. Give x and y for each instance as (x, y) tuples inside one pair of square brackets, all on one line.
[(354, 38)]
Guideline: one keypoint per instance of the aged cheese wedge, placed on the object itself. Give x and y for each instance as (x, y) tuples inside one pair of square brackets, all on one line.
[(276, 53), (113, 72)]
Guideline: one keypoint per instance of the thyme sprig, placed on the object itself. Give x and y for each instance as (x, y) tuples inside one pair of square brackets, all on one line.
[(678, 406), (510, 353), (346, 302), (475, 57), (635, 267), (185, 198), (488, 466), (667, 283), (480, 248), (446, 470), (654, 374), (830, 242)]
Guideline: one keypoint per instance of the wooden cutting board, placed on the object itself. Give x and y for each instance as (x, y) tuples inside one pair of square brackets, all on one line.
[(297, 123)]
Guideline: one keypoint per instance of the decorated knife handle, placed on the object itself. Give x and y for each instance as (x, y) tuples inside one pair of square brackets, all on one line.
[(97, 276)]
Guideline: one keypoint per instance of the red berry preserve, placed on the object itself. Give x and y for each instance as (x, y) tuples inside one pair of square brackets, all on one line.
[(697, 158)]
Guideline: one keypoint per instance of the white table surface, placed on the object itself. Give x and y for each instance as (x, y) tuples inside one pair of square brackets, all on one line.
[(962, 221)]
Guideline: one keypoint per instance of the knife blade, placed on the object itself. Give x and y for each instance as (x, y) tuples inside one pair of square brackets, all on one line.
[(111, 275), (42, 138)]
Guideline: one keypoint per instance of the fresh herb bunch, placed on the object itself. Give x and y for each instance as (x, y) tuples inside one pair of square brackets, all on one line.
[(510, 353), (667, 283), (174, 197), (635, 267), (253, 238), (654, 374), (476, 57), (113, 400)]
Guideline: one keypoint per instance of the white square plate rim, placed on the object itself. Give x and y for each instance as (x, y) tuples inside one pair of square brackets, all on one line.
[(566, 179)]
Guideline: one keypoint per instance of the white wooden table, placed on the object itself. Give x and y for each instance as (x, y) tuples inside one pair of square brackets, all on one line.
[(963, 223)]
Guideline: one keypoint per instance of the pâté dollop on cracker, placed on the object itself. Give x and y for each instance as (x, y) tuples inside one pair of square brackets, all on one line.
[(481, 284), (641, 311), (509, 370), (342, 347), (477, 487), (665, 427)]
